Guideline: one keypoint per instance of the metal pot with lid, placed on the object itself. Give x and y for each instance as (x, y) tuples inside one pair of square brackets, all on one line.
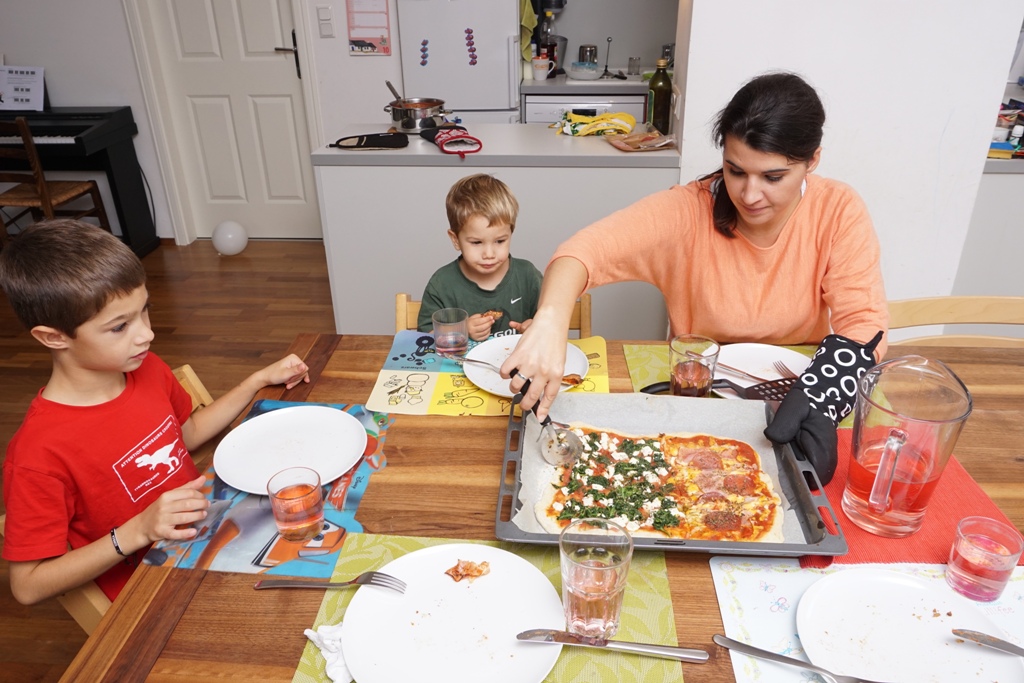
[(417, 113)]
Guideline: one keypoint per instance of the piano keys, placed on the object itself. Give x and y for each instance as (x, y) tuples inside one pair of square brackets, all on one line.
[(96, 139)]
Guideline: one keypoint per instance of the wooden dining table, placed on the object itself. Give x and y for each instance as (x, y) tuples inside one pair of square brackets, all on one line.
[(442, 480)]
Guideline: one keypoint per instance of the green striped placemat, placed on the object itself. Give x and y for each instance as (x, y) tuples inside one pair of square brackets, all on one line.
[(647, 614)]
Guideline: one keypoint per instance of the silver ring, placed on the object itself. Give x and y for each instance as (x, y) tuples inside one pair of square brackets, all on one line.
[(523, 377)]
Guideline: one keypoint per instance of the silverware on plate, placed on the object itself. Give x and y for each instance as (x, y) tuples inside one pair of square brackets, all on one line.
[(782, 659), (682, 654), (991, 641), (364, 579)]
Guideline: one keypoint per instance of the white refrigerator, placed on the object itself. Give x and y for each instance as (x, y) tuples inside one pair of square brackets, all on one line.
[(465, 52)]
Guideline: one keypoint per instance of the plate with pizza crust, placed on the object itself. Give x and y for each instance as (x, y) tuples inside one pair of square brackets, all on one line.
[(441, 630), (756, 359), (497, 349)]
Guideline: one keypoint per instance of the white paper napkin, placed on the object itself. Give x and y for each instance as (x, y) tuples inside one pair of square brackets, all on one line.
[(328, 639)]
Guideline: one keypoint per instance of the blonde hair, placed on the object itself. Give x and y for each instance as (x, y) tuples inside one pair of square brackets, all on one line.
[(480, 195)]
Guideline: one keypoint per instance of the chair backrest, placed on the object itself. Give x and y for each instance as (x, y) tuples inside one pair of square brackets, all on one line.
[(87, 604), (407, 312), (190, 381), (28, 155), (954, 310)]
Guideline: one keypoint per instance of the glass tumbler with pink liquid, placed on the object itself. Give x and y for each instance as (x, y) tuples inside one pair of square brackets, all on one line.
[(908, 416), (451, 330), (982, 558), (298, 503), (595, 556)]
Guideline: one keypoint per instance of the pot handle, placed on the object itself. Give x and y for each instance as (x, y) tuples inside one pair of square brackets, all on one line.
[(387, 108)]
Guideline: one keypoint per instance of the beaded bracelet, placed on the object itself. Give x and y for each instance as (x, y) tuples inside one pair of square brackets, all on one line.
[(113, 538)]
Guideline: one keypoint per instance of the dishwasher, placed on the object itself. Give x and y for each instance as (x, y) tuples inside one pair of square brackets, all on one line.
[(550, 108)]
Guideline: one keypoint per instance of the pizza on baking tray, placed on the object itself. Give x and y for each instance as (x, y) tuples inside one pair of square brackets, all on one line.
[(677, 486)]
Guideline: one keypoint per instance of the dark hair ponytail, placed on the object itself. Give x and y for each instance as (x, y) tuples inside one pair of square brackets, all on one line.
[(776, 113)]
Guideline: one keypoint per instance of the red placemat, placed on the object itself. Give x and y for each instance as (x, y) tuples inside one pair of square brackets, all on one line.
[(956, 496)]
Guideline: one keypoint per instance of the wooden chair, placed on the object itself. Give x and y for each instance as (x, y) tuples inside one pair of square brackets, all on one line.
[(407, 312), (33, 193), (954, 310), (87, 604)]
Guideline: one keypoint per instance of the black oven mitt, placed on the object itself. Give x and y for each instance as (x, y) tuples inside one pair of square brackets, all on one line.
[(453, 140), (373, 141), (825, 393)]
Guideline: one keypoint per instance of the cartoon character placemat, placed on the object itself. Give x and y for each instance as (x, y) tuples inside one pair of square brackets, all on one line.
[(239, 534), (416, 381)]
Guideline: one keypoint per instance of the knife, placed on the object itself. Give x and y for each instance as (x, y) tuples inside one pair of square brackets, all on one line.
[(991, 641), (545, 635)]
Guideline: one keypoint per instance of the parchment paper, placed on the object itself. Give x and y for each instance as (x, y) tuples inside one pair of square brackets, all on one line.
[(644, 414)]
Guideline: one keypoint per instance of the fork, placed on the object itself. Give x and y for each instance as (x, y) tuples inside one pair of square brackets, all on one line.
[(364, 579), (784, 370), (752, 651)]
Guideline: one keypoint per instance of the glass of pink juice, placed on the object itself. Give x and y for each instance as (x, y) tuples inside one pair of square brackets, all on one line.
[(982, 558), (594, 556), (451, 330), (692, 361), (298, 503)]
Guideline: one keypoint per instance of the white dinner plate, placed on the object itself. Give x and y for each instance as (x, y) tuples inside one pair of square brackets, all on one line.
[(441, 631), (496, 349), (887, 626), (756, 359), (327, 440)]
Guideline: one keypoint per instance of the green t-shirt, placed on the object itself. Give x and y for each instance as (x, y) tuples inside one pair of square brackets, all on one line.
[(516, 296)]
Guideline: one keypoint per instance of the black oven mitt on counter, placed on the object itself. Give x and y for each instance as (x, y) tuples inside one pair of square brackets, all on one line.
[(373, 141), (453, 140), (825, 393)]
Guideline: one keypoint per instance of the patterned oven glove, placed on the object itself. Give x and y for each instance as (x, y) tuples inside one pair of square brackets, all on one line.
[(453, 140), (825, 393)]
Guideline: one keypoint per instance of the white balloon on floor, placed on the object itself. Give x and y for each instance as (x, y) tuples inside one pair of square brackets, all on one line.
[(230, 238)]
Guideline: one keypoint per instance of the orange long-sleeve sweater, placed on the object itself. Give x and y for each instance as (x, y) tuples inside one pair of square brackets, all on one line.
[(821, 275)]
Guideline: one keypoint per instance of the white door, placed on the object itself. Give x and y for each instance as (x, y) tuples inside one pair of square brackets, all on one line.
[(231, 115)]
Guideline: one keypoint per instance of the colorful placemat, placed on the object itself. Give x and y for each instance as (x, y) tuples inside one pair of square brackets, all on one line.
[(758, 598), (416, 381), (956, 496), (239, 534), (647, 614)]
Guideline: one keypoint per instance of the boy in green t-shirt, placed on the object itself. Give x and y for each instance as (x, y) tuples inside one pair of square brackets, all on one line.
[(499, 292)]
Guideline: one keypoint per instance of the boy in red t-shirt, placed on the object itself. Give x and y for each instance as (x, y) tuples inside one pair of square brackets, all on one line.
[(101, 461)]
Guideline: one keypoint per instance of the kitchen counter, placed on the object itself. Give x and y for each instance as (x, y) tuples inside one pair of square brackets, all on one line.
[(504, 144), (563, 85)]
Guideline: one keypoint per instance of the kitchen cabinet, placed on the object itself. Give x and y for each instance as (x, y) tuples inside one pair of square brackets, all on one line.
[(385, 226)]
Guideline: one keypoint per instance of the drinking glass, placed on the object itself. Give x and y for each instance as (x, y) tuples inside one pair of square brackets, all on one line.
[(634, 66), (451, 330), (982, 558), (298, 503), (595, 556), (692, 360)]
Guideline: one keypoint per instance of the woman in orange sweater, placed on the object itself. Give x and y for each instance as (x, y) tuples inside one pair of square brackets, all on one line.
[(759, 251)]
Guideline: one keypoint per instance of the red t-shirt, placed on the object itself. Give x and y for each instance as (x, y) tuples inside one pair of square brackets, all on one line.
[(74, 472)]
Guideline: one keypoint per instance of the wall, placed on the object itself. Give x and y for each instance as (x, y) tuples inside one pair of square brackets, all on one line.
[(909, 115), (87, 54)]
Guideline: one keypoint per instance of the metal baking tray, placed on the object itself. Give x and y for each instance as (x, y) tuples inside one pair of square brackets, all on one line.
[(796, 480)]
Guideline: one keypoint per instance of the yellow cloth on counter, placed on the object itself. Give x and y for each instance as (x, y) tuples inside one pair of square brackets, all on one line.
[(527, 22), (604, 124)]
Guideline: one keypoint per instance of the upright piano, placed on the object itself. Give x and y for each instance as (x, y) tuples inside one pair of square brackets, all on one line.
[(96, 139)]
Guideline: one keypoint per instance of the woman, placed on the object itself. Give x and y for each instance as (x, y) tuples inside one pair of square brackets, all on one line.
[(760, 250)]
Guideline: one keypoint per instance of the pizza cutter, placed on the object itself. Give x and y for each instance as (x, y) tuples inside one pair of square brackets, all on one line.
[(560, 446)]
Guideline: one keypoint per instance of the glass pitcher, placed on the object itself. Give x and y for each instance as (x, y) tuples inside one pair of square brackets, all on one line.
[(909, 413)]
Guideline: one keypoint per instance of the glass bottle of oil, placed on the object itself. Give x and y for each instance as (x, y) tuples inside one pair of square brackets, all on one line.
[(659, 98)]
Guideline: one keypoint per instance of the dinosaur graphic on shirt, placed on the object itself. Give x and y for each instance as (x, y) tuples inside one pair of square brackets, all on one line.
[(160, 457)]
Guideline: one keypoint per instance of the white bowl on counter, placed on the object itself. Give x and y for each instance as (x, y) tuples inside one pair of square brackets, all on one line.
[(584, 71)]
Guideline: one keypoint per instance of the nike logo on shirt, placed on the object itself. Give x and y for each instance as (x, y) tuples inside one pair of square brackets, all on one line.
[(515, 300)]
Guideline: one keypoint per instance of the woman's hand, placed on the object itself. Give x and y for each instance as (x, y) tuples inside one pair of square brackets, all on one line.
[(540, 357)]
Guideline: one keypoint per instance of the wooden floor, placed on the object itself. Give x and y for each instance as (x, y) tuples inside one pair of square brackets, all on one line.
[(226, 316)]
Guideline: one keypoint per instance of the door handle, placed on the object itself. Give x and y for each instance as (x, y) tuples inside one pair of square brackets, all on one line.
[(294, 49)]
